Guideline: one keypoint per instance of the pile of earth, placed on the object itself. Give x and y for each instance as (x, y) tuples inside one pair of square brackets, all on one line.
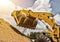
[(9, 34)]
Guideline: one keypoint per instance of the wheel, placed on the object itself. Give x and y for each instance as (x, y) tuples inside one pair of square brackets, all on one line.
[(43, 39)]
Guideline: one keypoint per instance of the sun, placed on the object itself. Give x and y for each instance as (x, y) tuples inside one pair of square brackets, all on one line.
[(4, 3)]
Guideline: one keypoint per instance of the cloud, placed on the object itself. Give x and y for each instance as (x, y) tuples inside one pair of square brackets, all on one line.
[(57, 19), (41, 6)]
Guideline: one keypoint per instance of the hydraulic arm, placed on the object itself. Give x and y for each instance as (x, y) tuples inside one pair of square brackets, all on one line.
[(27, 18)]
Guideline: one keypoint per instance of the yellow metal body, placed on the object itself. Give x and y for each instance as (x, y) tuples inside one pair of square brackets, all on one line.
[(55, 34)]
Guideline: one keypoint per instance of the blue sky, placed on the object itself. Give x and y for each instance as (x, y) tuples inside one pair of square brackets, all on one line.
[(55, 6)]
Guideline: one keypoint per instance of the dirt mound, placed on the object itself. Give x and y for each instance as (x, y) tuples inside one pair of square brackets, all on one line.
[(10, 34)]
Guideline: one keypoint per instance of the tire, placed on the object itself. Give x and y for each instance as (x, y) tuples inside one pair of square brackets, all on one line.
[(43, 39)]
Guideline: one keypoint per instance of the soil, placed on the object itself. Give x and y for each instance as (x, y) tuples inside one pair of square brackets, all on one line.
[(9, 34)]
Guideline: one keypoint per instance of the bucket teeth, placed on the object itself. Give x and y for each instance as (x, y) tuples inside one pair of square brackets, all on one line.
[(27, 22), (24, 20)]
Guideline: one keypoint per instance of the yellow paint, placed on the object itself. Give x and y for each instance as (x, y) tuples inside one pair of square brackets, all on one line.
[(44, 16)]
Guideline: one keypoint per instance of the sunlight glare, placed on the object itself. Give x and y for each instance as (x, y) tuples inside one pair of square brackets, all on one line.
[(6, 6)]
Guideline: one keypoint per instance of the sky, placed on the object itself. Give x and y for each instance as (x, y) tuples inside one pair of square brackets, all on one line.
[(41, 6), (55, 4), (23, 3), (6, 7)]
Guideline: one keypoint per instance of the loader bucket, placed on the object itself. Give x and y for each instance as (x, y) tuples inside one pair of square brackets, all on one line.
[(25, 21)]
